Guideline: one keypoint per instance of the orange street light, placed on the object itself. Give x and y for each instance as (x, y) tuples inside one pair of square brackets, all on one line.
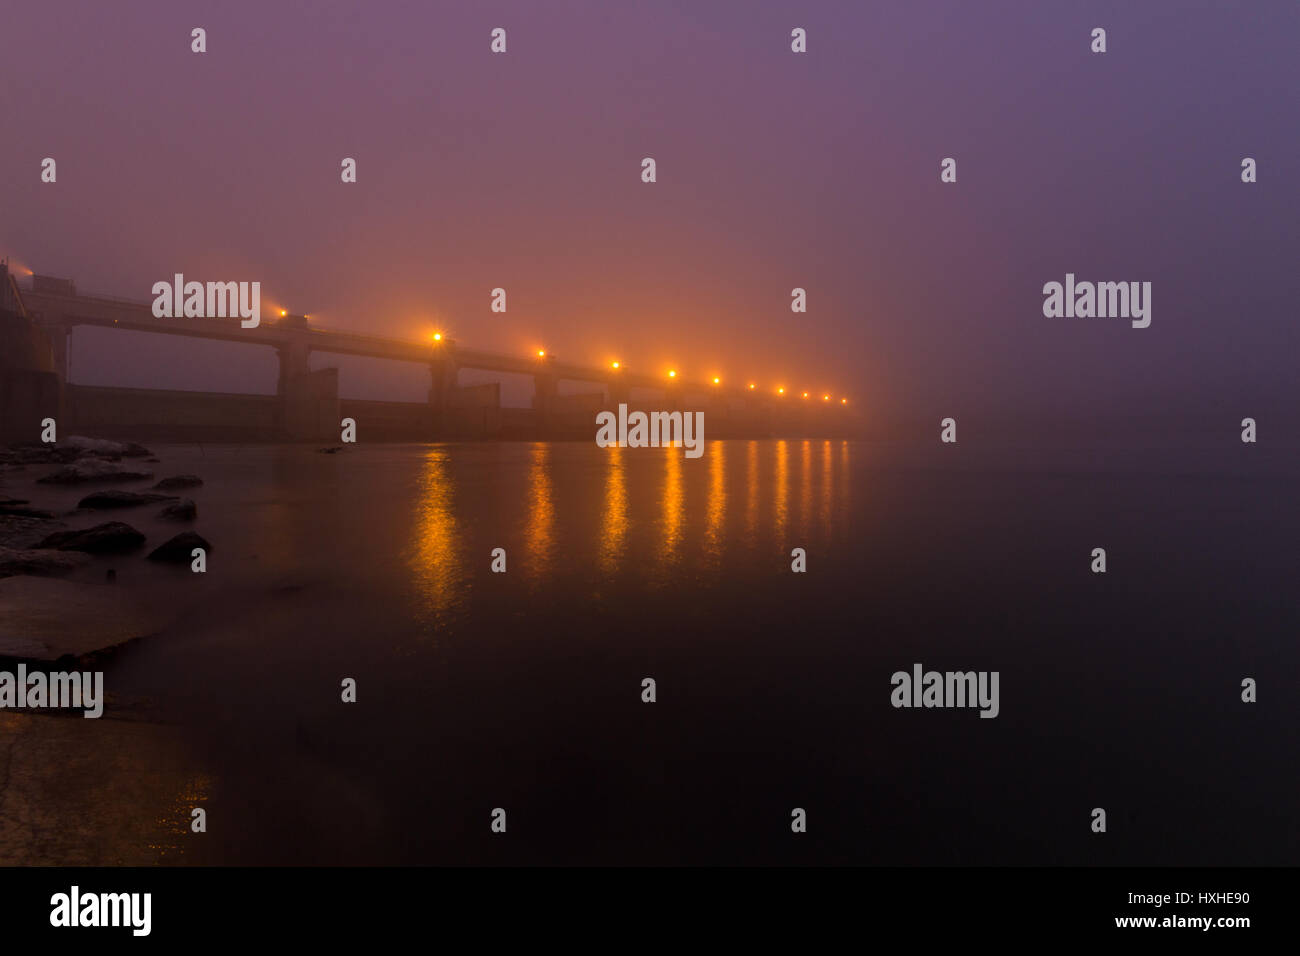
[(437, 336), (716, 380), (283, 313), (805, 394), (751, 386), (826, 398), (541, 353), (844, 401), (672, 373), (781, 390), (613, 365)]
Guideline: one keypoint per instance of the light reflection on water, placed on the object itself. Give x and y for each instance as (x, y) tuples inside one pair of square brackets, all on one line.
[(567, 509), (614, 527), (436, 551), (540, 535)]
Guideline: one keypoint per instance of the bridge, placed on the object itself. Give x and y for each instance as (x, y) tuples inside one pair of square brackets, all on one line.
[(307, 406)]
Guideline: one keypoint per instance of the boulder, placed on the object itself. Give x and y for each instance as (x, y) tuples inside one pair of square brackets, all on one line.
[(93, 469), (179, 548), (111, 538), (40, 561), (25, 531), (18, 507), (120, 499), (183, 510), (105, 448), (178, 481)]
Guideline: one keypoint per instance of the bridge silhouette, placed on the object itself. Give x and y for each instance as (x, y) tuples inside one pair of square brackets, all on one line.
[(307, 405)]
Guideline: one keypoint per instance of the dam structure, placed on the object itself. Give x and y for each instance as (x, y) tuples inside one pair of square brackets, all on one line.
[(38, 319)]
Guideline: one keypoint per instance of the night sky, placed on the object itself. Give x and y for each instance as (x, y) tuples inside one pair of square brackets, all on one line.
[(775, 170)]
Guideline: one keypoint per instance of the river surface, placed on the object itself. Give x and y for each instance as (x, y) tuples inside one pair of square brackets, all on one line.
[(522, 690)]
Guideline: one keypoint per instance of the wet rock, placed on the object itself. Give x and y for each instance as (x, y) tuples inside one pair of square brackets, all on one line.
[(179, 548), (29, 513), (120, 499), (26, 531), (113, 537), (104, 448), (41, 454), (48, 618), (39, 561), (93, 469), (183, 510), (18, 507), (178, 481)]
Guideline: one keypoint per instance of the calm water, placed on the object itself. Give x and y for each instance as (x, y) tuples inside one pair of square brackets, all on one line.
[(522, 690)]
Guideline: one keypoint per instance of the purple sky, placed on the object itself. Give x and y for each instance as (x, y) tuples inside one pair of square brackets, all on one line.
[(775, 170)]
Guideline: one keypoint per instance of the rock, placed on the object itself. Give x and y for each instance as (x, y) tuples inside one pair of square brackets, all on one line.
[(111, 538), (178, 481), (93, 469), (104, 448), (92, 446), (40, 561), (18, 507), (25, 531), (29, 513), (47, 618), (183, 510), (179, 548), (120, 499), (38, 453)]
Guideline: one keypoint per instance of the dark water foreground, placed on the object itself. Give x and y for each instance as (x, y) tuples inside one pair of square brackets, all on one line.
[(522, 690)]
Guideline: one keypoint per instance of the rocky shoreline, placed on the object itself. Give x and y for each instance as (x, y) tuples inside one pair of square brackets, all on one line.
[(39, 541)]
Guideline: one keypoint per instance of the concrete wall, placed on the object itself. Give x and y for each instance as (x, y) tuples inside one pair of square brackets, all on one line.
[(138, 414), (23, 346), (26, 398), (310, 409), (388, 421), (29, 389)]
